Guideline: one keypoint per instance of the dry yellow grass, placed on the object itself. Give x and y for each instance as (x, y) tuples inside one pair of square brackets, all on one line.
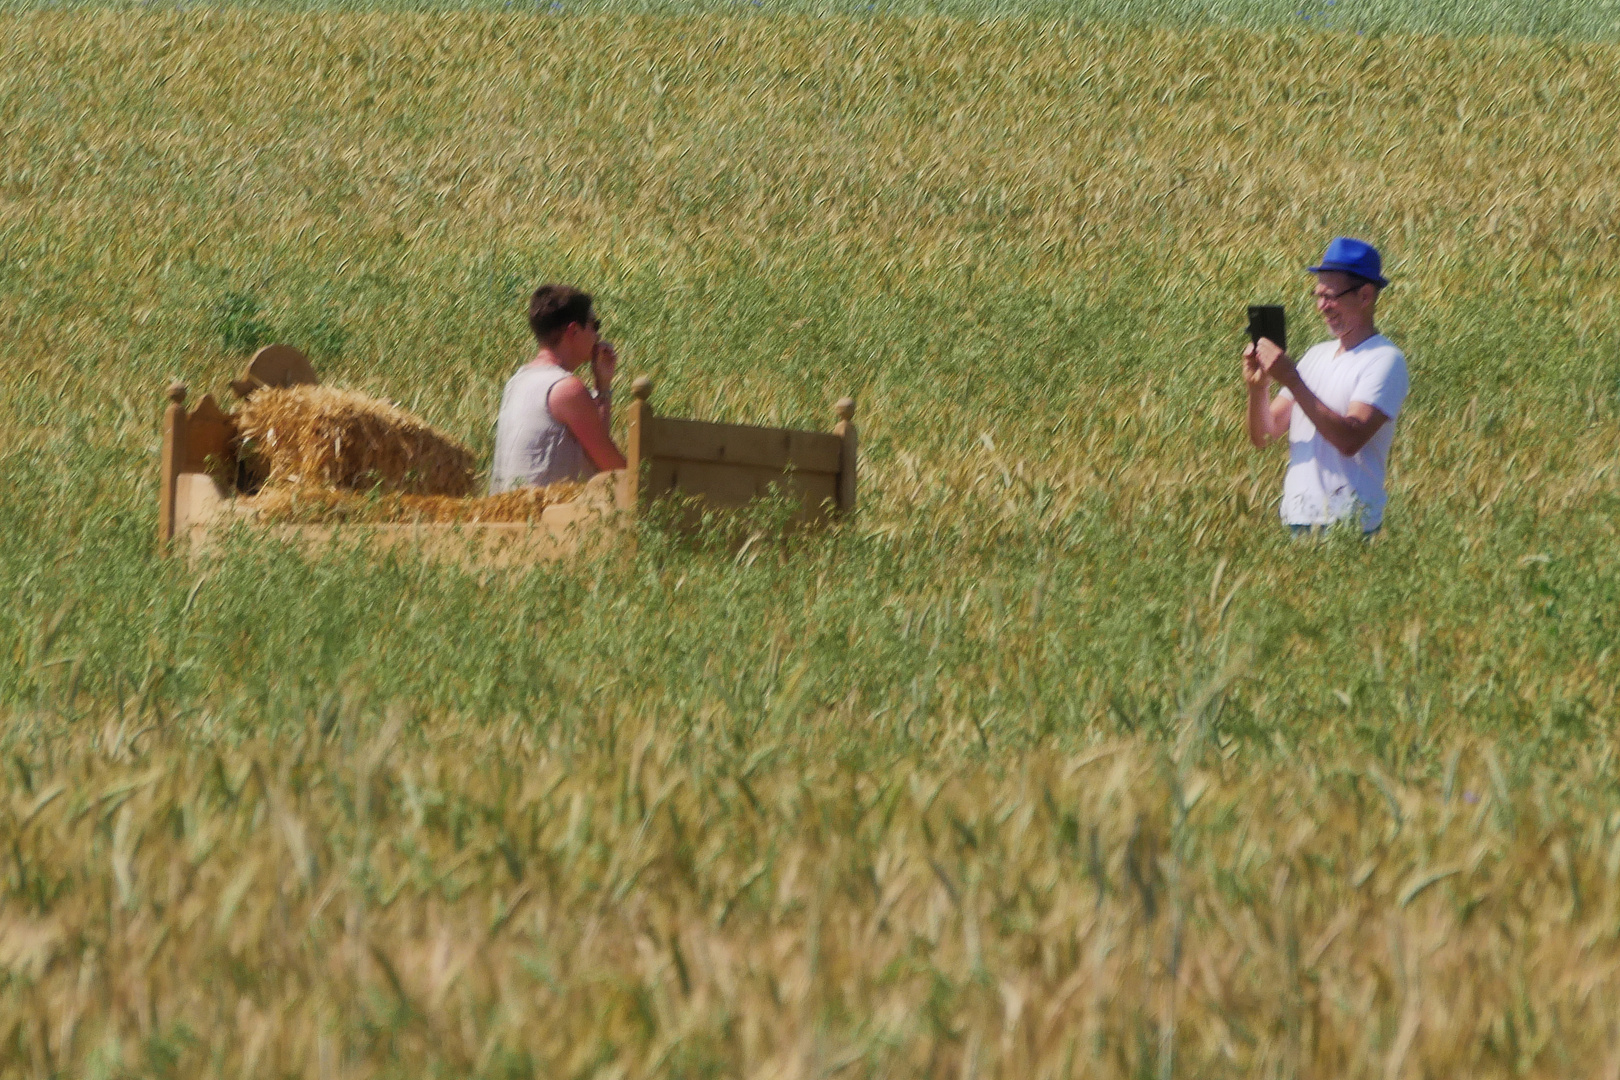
[(447, 899), (321, 436)]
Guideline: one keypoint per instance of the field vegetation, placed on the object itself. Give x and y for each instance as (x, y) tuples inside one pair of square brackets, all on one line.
[(1589, 20), (1058, 760)]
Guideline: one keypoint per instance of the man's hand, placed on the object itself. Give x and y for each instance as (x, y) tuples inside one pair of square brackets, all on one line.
[(1267, 418), (1276, 363), (604, 361), (1253, 373)]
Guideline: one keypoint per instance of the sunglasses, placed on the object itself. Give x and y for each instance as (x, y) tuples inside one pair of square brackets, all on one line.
[(1320, 297)]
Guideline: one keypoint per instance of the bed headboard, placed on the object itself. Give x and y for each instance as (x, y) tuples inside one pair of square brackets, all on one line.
[(203, 440), (726, 465)]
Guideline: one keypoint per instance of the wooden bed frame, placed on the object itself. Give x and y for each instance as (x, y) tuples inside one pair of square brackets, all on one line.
[(719, 466)]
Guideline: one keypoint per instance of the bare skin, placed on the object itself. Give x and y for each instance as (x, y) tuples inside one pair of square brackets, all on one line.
[(1348, 310), (569, 401)]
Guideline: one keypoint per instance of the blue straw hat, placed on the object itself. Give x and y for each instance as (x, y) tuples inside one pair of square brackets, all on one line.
[(1349, 256)]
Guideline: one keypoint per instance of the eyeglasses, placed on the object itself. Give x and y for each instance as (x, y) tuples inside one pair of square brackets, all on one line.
[(1329, 297)]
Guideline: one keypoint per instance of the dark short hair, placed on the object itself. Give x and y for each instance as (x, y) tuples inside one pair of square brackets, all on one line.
[(553, 307), (1357, 281)]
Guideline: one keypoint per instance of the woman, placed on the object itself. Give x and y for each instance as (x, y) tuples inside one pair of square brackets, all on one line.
[(551, 427)]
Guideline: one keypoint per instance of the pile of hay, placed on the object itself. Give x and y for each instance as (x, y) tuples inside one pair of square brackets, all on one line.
[(309, 505), (315, 436)]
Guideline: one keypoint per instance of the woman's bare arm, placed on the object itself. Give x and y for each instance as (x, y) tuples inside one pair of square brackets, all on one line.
[(571, 403)]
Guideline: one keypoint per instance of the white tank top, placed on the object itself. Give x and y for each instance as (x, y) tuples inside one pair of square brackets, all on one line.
[(532, 447)]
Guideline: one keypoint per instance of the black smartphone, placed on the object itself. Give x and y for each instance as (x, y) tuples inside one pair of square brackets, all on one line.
[(1268, 321)]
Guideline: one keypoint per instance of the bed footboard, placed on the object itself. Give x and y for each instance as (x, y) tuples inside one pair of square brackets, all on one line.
[(728, 465)]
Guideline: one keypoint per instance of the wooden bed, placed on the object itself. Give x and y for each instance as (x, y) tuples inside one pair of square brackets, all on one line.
[(717, 466)]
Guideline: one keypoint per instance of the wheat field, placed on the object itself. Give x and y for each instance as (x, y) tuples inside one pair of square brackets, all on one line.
[(1060, 759)]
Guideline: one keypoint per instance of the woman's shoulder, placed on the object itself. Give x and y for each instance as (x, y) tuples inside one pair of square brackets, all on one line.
[(533, 380), (538, 373)]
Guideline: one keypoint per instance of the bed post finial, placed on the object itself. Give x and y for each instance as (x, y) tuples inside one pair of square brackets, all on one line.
[(177, 392), (642, 388), (845, 430)]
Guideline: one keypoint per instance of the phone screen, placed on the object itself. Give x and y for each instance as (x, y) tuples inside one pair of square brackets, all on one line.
[(1268, 321)]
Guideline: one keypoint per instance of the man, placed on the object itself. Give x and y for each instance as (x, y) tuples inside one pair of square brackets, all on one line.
[(551, 427), (1338, 405)]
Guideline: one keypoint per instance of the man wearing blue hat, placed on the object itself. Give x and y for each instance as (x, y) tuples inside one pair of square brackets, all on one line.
[(1338, 404)]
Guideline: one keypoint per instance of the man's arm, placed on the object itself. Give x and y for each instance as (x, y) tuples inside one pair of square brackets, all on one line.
[(571, 403), (1346, 433), (1267, 417)]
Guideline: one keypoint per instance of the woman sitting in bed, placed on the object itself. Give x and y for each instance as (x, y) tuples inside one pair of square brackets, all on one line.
[(551, 427)]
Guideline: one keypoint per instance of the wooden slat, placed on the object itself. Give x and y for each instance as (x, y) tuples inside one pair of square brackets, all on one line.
[(723, 485), (209, 434), (737, 444), (197, 499), (275, 365)]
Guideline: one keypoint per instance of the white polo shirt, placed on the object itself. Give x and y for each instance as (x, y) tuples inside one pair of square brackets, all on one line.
[(1323, 485)]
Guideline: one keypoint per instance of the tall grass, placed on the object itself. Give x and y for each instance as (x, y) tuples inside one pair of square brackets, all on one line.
[(400, 899), (1058, 760), (1597, 20)]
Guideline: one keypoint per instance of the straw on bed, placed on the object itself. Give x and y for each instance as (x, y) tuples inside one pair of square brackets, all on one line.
[(309, 505), (308, 437)]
